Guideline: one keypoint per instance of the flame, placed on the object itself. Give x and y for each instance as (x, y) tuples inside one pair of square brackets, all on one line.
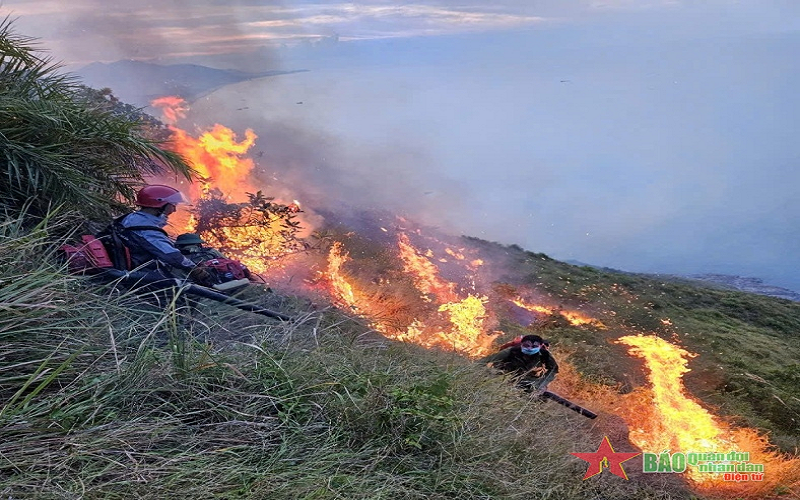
[(465, 333), (683, 424), (425, 273), (468, 317), (455, 254), (254, 246), (673, 421), (216, 155), (341, 288), (172, 107), (574, 317), (455, 323), (218, 158)]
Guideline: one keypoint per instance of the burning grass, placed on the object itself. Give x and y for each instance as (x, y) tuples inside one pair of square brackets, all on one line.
[(142, 407), (109, 397)]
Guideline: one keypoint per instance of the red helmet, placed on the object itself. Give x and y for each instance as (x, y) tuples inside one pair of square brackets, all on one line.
[(157, 195)]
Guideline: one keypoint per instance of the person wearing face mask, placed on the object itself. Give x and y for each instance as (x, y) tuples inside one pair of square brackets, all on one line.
[(530, 362), (142, 232)]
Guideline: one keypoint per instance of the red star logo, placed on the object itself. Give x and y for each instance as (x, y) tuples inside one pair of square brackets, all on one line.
[(605, 457)]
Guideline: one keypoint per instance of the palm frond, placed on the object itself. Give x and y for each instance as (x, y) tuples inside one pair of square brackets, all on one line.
[(57, 148)]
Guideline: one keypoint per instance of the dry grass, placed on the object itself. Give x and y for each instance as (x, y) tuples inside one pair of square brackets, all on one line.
[(107, 396)]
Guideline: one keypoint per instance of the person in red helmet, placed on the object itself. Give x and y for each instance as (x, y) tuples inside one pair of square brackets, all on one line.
[(142, 232)]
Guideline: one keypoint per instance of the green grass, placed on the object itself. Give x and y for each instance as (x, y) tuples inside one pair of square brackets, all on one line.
[(747, 351), (108, 396)]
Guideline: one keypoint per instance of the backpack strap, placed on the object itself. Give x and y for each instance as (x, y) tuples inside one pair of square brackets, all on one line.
[(143, 228), (114, 240)]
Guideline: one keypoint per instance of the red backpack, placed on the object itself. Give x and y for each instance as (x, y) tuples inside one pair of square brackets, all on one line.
[(91, 255), (226, 269), (105, 250)]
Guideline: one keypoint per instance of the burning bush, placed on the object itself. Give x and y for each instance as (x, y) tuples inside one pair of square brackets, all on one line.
[(255, 231)]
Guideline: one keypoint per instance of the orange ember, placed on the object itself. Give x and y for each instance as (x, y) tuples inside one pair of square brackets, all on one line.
[(455, 254), (573, 317), (425, 273)]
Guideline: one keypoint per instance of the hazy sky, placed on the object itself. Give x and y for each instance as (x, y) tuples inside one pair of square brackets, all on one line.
[(645, 135)]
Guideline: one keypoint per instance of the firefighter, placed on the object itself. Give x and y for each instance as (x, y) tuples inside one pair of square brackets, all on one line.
[(191, 245), (530, 363), (220, 269), (142, 232)]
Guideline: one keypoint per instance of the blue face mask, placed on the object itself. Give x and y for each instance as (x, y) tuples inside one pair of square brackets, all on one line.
[(530, 351)]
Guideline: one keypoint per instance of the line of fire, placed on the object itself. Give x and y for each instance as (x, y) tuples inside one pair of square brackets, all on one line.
[(413, 285)]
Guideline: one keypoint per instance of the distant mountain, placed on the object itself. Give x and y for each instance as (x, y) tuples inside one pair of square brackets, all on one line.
[(138, 82)]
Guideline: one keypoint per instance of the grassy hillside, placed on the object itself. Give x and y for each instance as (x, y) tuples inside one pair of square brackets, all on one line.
[(748, 346), (109, 396)]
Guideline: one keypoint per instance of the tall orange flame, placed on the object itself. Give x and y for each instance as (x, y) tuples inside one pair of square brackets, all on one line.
[(683, 425), (217, 155), (341, 288), (673, 421)]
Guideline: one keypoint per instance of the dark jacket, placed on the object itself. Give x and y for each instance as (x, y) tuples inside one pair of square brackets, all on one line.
[(151, 248), (529, 370)]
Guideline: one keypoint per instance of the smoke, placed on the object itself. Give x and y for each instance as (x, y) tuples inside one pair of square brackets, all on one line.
[(297, 157), (85, 31), (646, 136)]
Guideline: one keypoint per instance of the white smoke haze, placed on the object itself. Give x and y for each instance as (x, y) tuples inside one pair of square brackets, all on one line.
[(653, 136)]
